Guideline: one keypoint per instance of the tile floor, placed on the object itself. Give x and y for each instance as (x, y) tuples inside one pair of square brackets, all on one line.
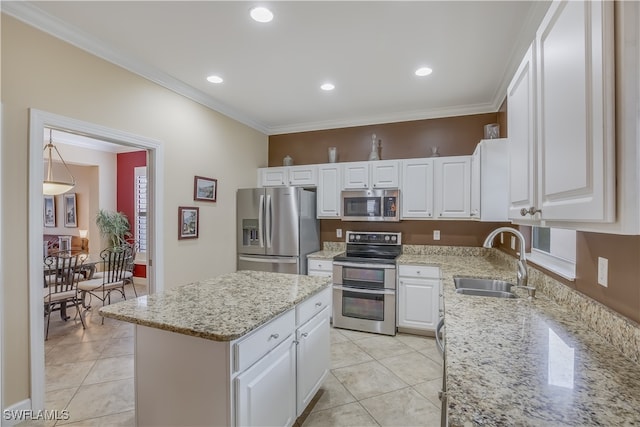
[(374, 380)]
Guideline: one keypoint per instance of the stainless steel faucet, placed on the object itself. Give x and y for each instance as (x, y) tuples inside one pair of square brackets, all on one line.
[(523, 276)]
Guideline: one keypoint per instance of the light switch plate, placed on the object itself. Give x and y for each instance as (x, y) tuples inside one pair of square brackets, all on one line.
[(603, 271), (436, 234), (338, 232), (502, 238), (513, 242)]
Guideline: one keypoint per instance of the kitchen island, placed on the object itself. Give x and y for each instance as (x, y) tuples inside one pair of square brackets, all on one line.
[(529, 362), (245, 348)]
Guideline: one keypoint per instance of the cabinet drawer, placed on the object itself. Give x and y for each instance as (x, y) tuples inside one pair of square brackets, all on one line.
[(424, 271), (313, 305), (320, 264), (251, 348)]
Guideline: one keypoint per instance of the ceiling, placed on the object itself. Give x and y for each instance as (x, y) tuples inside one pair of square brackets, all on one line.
[(272, 72)]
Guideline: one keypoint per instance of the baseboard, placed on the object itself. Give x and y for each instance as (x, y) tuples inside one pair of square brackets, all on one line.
[(16, 413)]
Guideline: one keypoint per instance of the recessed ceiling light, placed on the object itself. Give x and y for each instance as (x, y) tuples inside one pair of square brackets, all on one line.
[(327, 86), (261, 14), (215, 79), (423, 71)]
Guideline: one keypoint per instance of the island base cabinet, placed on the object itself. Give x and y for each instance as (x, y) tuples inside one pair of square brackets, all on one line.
[(313, 356), (266, 392), (181, 380)]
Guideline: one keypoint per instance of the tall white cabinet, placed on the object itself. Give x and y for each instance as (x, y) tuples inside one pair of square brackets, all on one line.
[(417, 188), (452, 191), (328, 191)]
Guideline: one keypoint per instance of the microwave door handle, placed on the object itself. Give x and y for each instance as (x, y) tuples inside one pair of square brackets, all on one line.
[(269, 221), (261, 221)]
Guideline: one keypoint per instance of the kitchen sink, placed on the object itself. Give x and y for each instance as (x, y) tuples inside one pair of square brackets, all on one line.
[(483, 287)]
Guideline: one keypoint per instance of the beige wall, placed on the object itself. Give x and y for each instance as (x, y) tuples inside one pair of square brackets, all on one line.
[(39, 71)]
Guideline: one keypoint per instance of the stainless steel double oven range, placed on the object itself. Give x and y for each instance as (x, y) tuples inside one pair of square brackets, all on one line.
[(364, 283)]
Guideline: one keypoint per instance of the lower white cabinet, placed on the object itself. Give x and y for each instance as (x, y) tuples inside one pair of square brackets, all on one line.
[(319, 267), (266, 392), (313, 357), (418, 298)]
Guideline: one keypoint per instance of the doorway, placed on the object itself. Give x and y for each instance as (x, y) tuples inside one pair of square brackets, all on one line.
[(38, 121)]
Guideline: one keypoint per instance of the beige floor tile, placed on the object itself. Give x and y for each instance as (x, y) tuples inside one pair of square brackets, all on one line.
[(413, 368), (98, 400), (430, 390), (113, 368), (124, 330), (368, 379), (332, 394), (432, 353), (59, 399), (380, 346), (66, 376), (118, 347), (123, 419), (352, 414), (416, 342), (337, 336), (404, 408), (79, 352), (355, 335), (347, 354)]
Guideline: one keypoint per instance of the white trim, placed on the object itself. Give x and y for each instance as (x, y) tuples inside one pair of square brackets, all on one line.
[(559, 266), (38, 121), (1, 279), (23, 405)]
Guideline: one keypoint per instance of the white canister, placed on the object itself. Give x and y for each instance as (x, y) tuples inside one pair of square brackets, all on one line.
[(333, 153)]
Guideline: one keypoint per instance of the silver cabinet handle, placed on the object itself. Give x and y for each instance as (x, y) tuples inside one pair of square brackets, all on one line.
[(274, 336), (318, 304), (305, 334), (531, 211)]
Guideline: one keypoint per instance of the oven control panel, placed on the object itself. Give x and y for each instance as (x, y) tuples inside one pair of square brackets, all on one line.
[(378, 238)]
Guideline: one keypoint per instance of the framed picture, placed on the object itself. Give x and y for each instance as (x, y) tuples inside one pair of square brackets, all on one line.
[(188, 222), (49, 211), (205, 189), (70, 210)]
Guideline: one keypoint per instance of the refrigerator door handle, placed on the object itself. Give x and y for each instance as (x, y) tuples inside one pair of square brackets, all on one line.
[(261, 221), (269, 260), (269, 221)]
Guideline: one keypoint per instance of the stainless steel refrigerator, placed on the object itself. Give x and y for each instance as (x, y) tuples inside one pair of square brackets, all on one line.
[(276, 229)]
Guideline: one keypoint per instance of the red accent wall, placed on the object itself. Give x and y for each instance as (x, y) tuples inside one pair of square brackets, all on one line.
[(126, 162)]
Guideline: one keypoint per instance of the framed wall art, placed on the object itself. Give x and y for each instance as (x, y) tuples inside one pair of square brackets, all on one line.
[(70, 210), (188, 222), (205, 189), (49, 211)]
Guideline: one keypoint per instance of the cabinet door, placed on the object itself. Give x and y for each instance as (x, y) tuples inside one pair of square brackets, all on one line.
[(476, 183), (384, 174), (328, 192), (303, 176), (453, 187), (417, 188), (314, 359), (522, 143), (575, 82), (418, 303), (273, 177), (356, 175), (266, 392)]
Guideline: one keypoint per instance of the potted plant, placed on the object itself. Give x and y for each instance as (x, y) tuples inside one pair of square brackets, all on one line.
[(113, 226)]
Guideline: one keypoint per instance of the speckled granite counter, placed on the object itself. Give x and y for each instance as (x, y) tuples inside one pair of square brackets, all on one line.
[(329, 250), (523, 362), (219, 309)]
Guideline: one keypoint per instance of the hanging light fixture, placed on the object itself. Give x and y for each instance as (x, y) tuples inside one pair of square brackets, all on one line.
[(49, 186)]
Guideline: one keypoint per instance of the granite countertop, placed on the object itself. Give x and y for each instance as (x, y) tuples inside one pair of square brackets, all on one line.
[(526, 362), (324, 254), (220, 309)]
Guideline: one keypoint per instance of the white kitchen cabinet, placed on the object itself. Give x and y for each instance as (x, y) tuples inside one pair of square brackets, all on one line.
[(266, 392), (417, 188), (489, 180), (313, 357), (452, 187), (328, 192), (418, 298), (374, 174), (319, 267), (298, 176), (562, 164), (356, 175)]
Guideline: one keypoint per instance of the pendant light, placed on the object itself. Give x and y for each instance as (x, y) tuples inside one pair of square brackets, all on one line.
[(49, 186)]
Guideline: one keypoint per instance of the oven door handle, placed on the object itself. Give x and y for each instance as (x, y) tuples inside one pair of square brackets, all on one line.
[(365, 291), (363, 265)]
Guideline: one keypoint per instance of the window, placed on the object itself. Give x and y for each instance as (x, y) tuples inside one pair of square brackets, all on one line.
[(140, 195), (555, 250)]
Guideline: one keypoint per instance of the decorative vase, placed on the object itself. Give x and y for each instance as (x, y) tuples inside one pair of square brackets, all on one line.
[(374, 148), (332, 154)]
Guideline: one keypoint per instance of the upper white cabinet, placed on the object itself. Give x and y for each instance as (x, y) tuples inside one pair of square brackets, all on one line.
[(417, 188), (561, 123), (329, 188), (489, 180), (301, 176), (452, 191), (375, 174)]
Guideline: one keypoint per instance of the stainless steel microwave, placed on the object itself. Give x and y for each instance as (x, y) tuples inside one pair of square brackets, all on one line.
[(371, 205)]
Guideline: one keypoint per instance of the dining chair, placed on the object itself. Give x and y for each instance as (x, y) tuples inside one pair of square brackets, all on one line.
[(61, 277), (130, 267)]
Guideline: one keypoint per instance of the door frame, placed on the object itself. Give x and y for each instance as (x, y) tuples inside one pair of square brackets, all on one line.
[(38, 120)]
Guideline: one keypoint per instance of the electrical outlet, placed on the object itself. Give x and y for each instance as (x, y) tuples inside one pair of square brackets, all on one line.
[(338, 233), (513, 242), (603, 271), (436, 234), (502, 238)]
